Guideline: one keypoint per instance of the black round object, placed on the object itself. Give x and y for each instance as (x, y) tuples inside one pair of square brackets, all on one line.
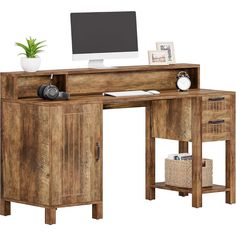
[(50, 92), (40, 90)]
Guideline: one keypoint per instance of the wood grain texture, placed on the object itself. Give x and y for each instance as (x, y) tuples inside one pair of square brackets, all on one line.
[(1, 201), (106, 70), (11, 148), (172, 119), (197, 76), (216, 108), (55, 206), (50, 216), (8, 86), (150, 155), (57, 154), (212, 189), (117, 101), (25, 153), (141, 80), (5, 207), (196, 152), (27, 86), (97, 211), (49, 153), (77, 173), (52, 150), (183, 148), (230, 156), (90, 81)]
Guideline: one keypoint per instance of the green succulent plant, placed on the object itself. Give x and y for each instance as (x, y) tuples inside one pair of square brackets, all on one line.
[(32, 48)]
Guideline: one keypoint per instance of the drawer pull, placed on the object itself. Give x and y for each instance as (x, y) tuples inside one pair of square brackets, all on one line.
[(215, 122), (216, 99)]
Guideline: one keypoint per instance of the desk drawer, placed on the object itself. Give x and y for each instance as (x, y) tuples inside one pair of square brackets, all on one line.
[(216, 103), (172, 118), (216, 117), (216, 129)]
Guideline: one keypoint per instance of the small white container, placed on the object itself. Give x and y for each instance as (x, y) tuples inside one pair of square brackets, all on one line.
[(30, 64)]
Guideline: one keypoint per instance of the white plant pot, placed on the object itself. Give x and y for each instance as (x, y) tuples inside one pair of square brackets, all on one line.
[(30, 64)]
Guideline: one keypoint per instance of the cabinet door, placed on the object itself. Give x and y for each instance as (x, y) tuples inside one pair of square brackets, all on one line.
[(76, 154)]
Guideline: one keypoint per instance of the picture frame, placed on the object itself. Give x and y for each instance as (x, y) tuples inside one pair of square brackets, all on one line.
[(169, 47), (158, 57)]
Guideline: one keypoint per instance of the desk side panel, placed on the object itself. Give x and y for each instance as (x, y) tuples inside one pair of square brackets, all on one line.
[(25, 150)]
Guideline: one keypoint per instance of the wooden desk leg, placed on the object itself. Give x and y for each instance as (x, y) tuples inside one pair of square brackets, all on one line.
[(150, 157), (230, 172), (230, 158), (97, 211), (50, 216), (5, 207), (183, 147), (196, 153)]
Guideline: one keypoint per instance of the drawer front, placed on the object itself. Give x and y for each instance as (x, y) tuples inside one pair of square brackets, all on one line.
[(216, 103), (216, 117), (216, 130)]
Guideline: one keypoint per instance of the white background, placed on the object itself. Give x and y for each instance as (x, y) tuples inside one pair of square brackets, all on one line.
[(203, 32)]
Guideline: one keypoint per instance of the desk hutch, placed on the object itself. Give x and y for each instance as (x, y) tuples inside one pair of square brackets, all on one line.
[(51, 151)]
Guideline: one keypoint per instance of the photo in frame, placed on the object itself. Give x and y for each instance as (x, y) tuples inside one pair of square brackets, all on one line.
[(158, 57), (169, 48)]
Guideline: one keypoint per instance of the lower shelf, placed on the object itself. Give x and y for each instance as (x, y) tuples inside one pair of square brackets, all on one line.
[(213, 189)]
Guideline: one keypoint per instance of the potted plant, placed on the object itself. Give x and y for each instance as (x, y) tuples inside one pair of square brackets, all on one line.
[(31, 61)]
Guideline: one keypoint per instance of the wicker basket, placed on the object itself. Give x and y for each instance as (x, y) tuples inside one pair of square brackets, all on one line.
[(179, 173)]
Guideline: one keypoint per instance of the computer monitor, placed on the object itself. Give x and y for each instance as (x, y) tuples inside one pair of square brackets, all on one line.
[(103, 35)]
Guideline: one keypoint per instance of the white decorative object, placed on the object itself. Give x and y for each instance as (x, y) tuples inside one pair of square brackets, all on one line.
[(183, 81), (169, 48), (158, 57), (30, 64)]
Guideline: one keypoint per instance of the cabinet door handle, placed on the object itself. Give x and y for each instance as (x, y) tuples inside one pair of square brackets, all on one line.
[(215, 122), (216, 99), (98, 147)]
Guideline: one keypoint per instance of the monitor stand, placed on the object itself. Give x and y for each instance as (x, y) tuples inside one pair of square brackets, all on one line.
[(98, 63)]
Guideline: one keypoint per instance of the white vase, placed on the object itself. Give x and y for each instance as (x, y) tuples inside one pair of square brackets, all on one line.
[(30, 64)]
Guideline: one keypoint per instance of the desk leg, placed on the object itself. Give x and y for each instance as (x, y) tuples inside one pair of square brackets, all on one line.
[(50, 216), (183, 147), (5, 207), (230, 158), (230, 172), (196, 153), (150, 157), (97, 211)]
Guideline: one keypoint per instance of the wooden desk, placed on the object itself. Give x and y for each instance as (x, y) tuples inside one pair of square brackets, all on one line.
[(52, 150)]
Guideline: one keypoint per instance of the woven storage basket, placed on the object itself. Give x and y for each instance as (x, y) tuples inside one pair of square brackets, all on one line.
[(179, 173)]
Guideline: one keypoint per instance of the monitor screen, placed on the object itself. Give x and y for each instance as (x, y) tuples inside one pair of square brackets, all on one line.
[(104, 32)]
